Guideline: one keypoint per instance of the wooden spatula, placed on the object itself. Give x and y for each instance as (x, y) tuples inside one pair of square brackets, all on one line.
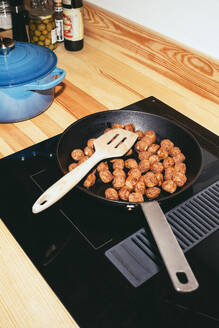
[(114, 143)]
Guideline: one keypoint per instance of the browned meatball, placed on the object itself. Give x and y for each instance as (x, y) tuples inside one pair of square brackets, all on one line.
[(151, 134), (83, 159), (118, 181), (162, 153), (129, 153), (144, 165), (169, 172), (90, 143), (180, 167), (111, 193), (135, 197), (117, 126), (174, 151), (167, 144), (131, 163), (159, 177), (77, 154), (144, 155), (72, 166), (150, 179), (140, 134), (153, 148), (124, 193), (152, 192), (180, 179), (169, 186), (168, 162), (140, 187), (129, 127), (88, 151), (120, 172), (157, 167), (153, 158), (135, 173), (179, 158), (102, 166), (130, 182), (90, 180), (118, 163), (105, 176), (142, 144)]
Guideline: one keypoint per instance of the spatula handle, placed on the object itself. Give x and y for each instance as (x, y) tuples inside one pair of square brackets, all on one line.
[(65, 184), (177, 266)]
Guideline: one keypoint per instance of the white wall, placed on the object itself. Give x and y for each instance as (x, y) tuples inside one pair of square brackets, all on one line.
[(194, 23)]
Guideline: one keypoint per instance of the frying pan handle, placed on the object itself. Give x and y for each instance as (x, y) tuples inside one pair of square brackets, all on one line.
[(177, 266), (65, 184)]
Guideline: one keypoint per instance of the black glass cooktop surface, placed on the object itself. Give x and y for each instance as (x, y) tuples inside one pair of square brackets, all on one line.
[(68, 241)]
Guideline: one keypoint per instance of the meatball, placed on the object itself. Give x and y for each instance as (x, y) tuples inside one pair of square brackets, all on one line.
[(162, 153), (144, 155), (77, 154), (129, 127), (168, 162), (143, 144), (152, 192), (88, 151), (180, 167), (105, 176), (72, 166), (153, 148), (90, 180), (140, 187), (167, 144), (174, 151), (169, 172), (159, 177), (111, 193), (90, 143), (179, 158), (118, 181), (144, 165), (140, 134), (153, 158), (83, 159), (124, 193), (157, 167), (130, 182), (102, 166), (119, 172), (150, 179), (118, 163), (131, 163), (135, 173), (179, 178), (151, 134), (169, 186), (129, 153), (135, 197), (117, 126)]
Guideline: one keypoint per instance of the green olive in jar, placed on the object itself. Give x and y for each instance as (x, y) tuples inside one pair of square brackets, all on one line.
[(41, 27)]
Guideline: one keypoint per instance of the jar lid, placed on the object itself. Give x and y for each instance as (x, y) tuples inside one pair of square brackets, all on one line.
[(41, 13), (24, 63)]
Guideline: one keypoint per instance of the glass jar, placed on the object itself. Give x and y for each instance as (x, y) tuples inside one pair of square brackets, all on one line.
[(42, 28), (5, 15)]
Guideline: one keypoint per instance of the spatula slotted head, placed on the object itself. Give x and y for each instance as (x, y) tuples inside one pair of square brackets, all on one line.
[(115, 142)]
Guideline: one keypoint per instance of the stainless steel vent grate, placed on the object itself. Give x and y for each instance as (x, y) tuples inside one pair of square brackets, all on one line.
[(136, 257)]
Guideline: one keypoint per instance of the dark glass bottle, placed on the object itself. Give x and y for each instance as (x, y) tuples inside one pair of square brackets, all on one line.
[(18, 20), (73, 24), (58, 17)]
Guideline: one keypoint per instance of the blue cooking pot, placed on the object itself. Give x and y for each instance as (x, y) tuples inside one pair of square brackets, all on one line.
[(28, 75)]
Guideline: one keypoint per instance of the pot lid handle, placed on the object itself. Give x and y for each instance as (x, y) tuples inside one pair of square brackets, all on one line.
[(6, 45)]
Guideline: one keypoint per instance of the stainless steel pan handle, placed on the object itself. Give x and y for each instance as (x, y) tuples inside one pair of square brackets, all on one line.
[(177, 266)]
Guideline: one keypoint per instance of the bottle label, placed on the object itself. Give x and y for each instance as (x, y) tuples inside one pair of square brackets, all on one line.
[(73, 24), (66, 2), (53, 36), (59, 30), (5, 21)]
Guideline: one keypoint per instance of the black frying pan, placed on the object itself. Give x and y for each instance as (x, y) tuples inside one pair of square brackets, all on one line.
[(92, 126)]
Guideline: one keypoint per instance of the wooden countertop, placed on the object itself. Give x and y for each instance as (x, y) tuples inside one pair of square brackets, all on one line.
[(120, 64)]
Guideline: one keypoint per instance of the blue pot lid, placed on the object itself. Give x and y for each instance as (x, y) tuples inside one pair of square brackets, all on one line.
[(24, 63)]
